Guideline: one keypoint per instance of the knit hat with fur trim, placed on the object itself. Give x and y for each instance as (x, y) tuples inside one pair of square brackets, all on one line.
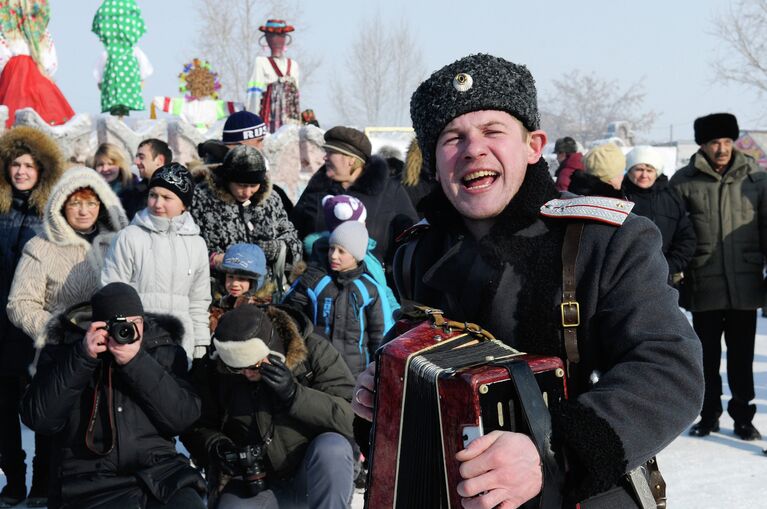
[(473, 83), (715, 126), (245, 336), (348, 141), (244, 165), (177, 179), (605, 162), (341, 208), (645, 154), (353, 237)]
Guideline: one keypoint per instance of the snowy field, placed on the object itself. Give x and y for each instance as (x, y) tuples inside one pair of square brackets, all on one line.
[(719, 471)]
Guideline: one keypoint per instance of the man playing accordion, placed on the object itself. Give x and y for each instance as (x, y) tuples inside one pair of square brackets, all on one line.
[(494, 254)]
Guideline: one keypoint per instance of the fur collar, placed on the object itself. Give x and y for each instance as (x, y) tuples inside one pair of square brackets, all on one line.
[(112, 217), (371, 182), (218, 189), (44, 150), (293, 338)]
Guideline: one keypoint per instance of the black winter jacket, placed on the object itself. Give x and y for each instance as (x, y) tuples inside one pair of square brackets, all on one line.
[(666, 209), (338, 313), (17, 226), (248, 413), (152, 402), (389, 209), (588, 185), (632, 335)]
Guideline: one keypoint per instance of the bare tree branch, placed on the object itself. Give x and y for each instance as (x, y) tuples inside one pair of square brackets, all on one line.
[(582, 105), (384, 67), (743, 59)]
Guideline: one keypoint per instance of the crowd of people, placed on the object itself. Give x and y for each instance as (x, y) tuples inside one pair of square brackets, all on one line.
[(139, 308)]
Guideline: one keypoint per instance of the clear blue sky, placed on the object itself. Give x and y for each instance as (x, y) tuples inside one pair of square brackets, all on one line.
[(668, 43)]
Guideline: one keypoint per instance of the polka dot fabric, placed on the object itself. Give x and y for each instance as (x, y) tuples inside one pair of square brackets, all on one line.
[(119, 25)]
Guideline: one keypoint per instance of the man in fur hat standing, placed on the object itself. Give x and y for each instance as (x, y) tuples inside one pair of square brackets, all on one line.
[(492, 255), (725, 192)]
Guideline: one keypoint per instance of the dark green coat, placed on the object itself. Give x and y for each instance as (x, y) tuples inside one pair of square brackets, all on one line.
[(729, 214), (242, 410)]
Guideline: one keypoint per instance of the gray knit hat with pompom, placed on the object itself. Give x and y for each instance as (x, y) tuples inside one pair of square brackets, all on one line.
[(473, 83)]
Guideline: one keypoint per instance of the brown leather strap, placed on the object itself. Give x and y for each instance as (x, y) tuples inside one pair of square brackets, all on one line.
[(570, 310)]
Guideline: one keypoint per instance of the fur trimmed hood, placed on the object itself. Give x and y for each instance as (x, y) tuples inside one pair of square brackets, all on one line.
[(217, 187), (371, 182), (21, 140), (292, 327), (112, 217)]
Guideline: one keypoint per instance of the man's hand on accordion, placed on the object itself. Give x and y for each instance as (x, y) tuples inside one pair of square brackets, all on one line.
[(362, 402), (504, 468)]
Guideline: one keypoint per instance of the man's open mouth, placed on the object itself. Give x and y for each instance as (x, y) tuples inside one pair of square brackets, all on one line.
[(480, 179)]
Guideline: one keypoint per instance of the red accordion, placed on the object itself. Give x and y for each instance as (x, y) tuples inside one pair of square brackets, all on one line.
[(438, 387)]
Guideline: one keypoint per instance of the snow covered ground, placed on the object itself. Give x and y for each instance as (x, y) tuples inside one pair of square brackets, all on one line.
[(719, 471)]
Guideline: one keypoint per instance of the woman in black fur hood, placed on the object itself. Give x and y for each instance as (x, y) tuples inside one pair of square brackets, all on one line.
[(350, 169)]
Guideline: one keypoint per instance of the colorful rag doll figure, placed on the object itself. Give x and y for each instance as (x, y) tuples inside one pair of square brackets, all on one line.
[(200, 105), (119, 26), (273, 85), (28, 60)]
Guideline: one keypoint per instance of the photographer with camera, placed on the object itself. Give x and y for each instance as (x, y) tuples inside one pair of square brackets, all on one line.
[(111, 389), (276, 420)]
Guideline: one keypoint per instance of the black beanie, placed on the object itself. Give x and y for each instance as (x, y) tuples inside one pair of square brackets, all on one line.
[(115, 299), (243, 165), (715, 126), (473, 83), (175, 178)]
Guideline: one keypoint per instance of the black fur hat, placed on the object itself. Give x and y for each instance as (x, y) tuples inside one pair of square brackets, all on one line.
[(715, 126), (473, 83), (244, 165)]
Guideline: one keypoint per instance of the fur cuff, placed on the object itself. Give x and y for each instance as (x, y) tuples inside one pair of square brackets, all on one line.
[(594, 450)]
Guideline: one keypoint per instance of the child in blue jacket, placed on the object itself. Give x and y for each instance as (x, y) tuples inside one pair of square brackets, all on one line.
[(346, 304)]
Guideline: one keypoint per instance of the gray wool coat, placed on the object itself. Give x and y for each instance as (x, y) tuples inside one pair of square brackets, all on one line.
[(632, 336), (729, 214)]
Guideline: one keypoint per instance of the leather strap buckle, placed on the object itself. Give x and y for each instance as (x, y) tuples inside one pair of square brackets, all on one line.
[(571, 314)]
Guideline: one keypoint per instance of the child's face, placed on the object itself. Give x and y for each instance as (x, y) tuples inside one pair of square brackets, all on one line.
[(237, 285), (340, 259)]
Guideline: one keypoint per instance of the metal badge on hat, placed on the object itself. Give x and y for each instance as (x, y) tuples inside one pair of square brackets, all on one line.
[(463, 82)]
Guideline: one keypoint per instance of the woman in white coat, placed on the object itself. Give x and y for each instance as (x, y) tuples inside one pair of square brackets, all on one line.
[(60, 266), (162, 255)]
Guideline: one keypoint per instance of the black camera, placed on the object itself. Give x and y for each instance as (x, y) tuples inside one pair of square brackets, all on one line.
[(250, 460), (123, 331)]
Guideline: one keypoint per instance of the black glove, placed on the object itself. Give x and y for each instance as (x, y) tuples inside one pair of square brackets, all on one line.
[(279, 379), (224, 454)]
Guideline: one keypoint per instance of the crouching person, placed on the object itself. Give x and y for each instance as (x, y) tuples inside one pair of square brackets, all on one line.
[(113, 394), (276, 418)]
